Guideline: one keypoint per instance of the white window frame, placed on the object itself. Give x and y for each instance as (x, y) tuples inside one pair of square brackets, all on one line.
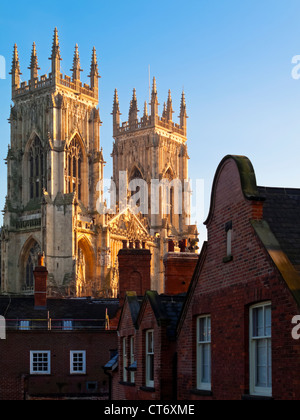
[(24, 325), (264, 338), (67, 325), (149, 359), (132, 356), (73, 370), (44, 362), (125, 359), (203, 345)]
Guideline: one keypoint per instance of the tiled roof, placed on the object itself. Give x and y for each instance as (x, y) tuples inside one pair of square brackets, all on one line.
[(83, 311), (282, 212), (167, 309)]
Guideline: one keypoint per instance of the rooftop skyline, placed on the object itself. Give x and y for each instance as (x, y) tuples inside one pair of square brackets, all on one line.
[(232, 59)]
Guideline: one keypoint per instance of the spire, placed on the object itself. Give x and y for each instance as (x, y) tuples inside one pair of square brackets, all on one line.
[(34, 64), (169, 114), (133, 111), (164, 114), (145, 110), (94, 74), (154, 101), (15, 69), (116, 107), (116, 112), (183, 115), (76, 65), (55, 56)]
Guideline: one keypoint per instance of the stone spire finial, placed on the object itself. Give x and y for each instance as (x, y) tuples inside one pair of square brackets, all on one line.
[(76, 65), (154, 101), (55, 56), (15, 69), (169, 113), (116, 112), (94, 73), (145, 110), (33, 64), (133, 111), (164, 114), (183, 114)]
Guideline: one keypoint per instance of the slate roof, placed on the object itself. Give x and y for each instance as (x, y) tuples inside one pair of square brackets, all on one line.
[(166, 309), (85, 312), (282, 212)]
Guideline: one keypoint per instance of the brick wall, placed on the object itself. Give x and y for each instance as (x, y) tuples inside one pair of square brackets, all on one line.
[(179, 270), (164, 351), (134, 271), (16, 383)]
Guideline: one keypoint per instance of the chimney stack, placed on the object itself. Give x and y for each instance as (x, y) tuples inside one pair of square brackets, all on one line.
[(179, 270), (40, 284), (134, 271)]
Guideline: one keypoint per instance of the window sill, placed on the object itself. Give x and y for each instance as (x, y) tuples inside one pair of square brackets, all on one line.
[(247, 397), (127, 384), (147, 389), (228, 259), (201, 392)]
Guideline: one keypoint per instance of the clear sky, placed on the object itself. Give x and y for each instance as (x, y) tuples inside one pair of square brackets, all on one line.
[(233, 58)]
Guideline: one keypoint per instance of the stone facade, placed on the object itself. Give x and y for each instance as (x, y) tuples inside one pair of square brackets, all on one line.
[(54, 166), (153, 148)]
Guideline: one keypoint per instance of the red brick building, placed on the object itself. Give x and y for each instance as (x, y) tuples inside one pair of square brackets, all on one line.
[(234, 336), (56, 352), (147, 348)]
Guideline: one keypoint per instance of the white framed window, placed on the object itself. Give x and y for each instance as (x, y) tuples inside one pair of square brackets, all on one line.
[(78, 362), (204, 353), (40, 363), (132, 356), (24, 325), (67, 325), (150, 359), (125, 360), (261, 349)]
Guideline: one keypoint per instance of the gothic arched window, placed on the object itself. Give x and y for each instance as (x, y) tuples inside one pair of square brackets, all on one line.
[(30, 264), (170, 200), (74, 160), (37, 179)]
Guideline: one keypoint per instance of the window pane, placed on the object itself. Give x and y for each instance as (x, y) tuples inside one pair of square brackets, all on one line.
[(202, 330), (206, 365), (205, 330), (268, 321), (261, 363), (258, 322), (150, 342), (151, 367)]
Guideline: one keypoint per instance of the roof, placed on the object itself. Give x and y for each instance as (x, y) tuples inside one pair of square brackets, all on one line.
[(279, 231), (134, 304), (166, 308), (112, 364), (86, 311), (282, 212), (248, 181)]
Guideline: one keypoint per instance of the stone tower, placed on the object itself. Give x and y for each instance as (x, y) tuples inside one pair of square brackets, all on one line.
[(54, 163), (154, 149)]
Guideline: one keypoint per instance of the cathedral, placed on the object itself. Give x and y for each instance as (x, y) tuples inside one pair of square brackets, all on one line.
[(54, 165)]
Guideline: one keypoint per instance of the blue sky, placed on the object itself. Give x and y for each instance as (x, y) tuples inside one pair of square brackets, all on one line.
[(233, 58)]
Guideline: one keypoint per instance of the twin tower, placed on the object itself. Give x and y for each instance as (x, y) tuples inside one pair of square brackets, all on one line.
[(54, 165)]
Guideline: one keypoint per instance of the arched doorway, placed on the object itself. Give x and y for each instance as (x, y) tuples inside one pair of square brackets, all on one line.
[(85, 268)]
